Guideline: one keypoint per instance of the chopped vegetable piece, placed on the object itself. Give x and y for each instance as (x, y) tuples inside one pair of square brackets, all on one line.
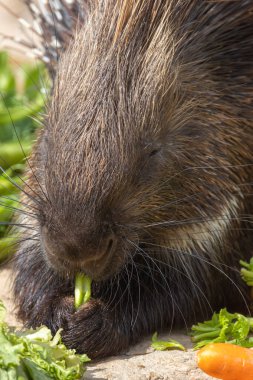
[(35, 355), (247, 271), (82, 289), (226, 361), (224, 327), (162, 345)]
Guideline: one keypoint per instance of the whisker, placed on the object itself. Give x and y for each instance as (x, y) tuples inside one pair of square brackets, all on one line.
[(192, 255), (121, 297), (20, 211), (139, 296), (204, 260), (22, 225), (23, 152), (19, 187), (113, 292), (170, 292), (26, 205), (129, 297), (198, 221), (195, 285)]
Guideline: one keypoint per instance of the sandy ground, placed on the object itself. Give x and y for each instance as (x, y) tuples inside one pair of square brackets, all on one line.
[(140, 363)]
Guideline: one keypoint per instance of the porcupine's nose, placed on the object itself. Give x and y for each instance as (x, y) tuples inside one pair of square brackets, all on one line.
[(91, 253)]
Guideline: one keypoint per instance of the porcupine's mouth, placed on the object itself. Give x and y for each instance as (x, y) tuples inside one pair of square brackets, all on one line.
[(99, 269)]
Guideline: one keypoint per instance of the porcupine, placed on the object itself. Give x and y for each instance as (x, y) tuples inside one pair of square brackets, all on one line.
[(142, 175)]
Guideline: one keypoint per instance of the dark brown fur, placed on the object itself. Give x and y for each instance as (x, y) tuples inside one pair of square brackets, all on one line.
[(142, 176)]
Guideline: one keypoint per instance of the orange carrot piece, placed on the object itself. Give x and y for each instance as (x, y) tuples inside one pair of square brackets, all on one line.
[(226, 361)]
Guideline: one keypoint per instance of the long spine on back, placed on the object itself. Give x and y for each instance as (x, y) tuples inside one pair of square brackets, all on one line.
[(197, 25), (54, 22)]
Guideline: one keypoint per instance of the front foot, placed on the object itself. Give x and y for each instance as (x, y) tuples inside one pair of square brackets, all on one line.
[(94, 330), (42, 297)]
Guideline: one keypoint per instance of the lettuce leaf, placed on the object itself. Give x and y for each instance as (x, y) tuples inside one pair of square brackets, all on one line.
[(36, 355), (162, 345)]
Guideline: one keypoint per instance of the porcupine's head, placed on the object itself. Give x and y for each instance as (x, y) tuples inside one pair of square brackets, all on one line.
[(135, 132)]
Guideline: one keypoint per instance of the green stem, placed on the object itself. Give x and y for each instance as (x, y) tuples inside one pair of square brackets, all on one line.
[(82, 289), (204, 336)]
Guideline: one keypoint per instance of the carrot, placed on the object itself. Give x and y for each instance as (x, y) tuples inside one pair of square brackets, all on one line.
[(226, 361)]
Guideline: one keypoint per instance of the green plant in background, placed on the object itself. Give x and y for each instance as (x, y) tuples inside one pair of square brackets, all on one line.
[(22, 96)]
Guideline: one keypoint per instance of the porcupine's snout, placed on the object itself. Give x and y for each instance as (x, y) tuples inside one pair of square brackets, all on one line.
[(93, 252)]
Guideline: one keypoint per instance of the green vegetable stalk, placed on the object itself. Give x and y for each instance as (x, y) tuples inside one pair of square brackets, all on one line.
[(224, 327), (82, 289), (36, 355), (247, 271)]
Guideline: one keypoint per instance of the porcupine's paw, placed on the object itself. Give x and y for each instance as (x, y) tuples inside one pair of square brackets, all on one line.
[(93, 330), (51, 312)]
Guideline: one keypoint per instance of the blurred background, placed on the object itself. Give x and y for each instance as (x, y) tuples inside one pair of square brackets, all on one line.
[(10, 26), (23, 88)]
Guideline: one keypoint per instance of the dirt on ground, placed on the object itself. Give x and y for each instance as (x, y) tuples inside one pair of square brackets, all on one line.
[(141, 362)]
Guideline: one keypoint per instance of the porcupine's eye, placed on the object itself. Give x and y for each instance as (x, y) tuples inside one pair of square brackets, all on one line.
[(151, 149), (150, 162), (154, 152)]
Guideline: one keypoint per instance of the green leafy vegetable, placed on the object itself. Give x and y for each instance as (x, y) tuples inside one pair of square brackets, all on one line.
[(162, 345), (224, 327), (82, 289), (36, 355), (247, 271)]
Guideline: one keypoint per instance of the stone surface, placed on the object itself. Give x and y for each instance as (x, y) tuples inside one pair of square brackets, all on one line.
[(140, 363)]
